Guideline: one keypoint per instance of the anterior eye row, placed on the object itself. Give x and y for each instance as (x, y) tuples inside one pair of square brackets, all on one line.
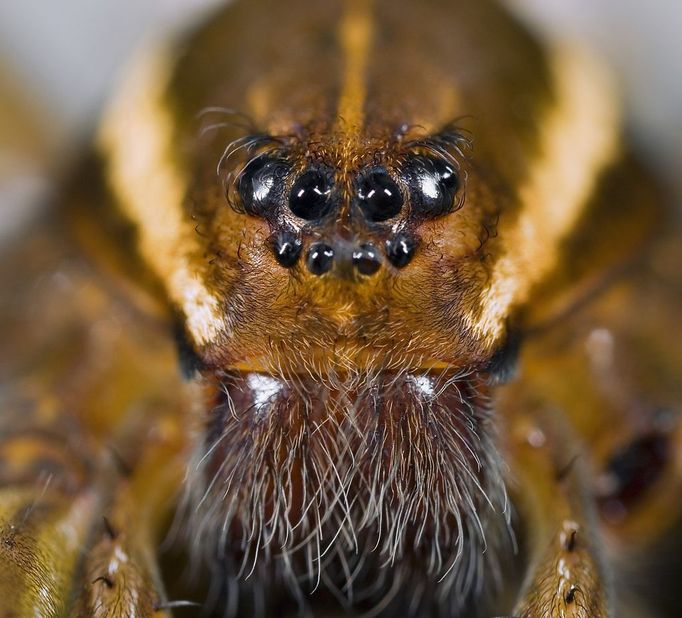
[(365, 257), (400, 250), (287, 248)]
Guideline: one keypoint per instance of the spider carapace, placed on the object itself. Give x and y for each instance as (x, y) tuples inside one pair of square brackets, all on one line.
[(356, 306)]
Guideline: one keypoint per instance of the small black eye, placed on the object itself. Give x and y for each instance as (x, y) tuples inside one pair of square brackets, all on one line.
[(261, 183), (366, 259), (287, 248), (320, 259), (400, 250), (379, 195), (309, 198), (433, 185)]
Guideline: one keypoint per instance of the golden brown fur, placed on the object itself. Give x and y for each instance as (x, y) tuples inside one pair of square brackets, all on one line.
[(346, 437)]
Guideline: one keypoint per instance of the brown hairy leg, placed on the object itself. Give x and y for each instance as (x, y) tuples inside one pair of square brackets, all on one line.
[(90, 446), (566, 575), (65, 535), (611, 371), (120, 574), (46, 509)]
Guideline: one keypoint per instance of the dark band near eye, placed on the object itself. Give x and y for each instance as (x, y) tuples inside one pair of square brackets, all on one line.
[(433, 185), (261, 183), (309, 197)]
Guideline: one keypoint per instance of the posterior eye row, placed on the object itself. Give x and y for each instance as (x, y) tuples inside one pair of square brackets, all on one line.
[(375, 195), (260, 185), (433, 184), (428, 184)]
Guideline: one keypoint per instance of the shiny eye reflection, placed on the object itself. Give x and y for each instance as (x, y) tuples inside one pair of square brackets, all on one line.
[(433, 185), (379, 196), (366, 259), (309, 198), (400, 250), (260, 185), (287, 248), (320, 259)]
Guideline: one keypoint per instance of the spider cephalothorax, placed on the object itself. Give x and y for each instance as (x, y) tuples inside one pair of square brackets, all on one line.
[(346, 444), (356, 276), (332, 235), (350, 294)]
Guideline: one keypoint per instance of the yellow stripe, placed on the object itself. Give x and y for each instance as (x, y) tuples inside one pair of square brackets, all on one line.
[(137, 140), (355, 39), (578, 140)]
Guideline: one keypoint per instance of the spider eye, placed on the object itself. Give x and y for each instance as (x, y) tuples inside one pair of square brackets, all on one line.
[(309, 198), (379, 196), (261, 183), (433, 185)]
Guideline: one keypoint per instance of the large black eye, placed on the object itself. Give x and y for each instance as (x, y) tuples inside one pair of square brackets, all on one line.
[(433, 185), (310, 195), (261, 183), (378, 195)]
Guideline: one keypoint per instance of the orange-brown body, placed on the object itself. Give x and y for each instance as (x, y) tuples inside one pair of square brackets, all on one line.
[(363, 408)]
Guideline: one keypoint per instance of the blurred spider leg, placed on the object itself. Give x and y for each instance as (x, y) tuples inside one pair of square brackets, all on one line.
[(72, 526), (40, 543), (120, 575), (566, 577), (47, 503)]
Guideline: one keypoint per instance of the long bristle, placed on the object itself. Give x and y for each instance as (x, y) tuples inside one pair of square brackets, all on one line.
[(331, 486)]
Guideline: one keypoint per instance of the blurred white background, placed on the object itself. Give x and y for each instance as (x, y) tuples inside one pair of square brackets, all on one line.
[(58, 61)]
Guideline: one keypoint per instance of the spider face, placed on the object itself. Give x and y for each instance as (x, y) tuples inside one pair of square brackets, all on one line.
[(354, 216), (336, 201), (333, 236), (317, 243), (349, 277)]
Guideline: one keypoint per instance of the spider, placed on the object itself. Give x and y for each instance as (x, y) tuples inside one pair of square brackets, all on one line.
[(355, 307)]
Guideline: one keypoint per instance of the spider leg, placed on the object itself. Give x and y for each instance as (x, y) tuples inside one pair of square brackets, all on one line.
[(46, 505), (91, 443), (612, 378), (120, 575), (77, 533), (566, 577)]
